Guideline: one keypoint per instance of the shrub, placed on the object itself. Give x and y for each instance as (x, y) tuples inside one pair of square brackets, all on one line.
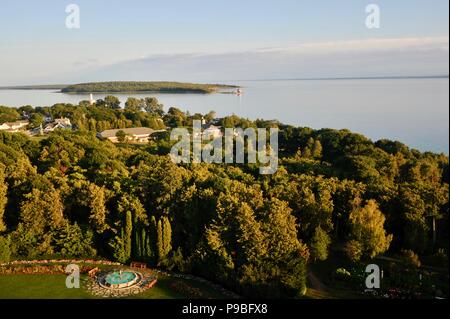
[(176, 261), (5, 250), (354, 250), (186, 290), (441, 258), (410, 259), (342, 274)]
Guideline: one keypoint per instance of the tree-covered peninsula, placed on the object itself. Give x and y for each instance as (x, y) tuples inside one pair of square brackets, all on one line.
[(166, 87)]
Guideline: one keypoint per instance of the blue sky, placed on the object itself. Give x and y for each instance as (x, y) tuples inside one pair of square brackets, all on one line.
[(188, 40)]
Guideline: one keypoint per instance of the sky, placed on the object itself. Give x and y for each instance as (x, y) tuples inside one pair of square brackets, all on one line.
[(215, 40)]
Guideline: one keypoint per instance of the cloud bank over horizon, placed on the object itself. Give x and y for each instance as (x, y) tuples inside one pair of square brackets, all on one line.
[(414, 56), (369, 57)]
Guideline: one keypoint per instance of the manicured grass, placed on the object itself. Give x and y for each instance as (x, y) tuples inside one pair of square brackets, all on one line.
[(38, 138), (38, 287), (54, 287)]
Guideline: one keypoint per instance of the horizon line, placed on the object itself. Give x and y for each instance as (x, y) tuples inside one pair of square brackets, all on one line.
[(393, 77)]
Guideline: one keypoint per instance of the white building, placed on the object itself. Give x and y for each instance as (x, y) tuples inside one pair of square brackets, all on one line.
[(211, 131), (63, 120), (134, 134), (13, 126), (61, 123)]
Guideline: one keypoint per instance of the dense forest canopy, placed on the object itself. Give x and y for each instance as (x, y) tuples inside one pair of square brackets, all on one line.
[(71, 194), (172, 87)]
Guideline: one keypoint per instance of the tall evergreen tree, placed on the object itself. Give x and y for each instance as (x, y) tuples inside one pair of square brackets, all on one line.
[(319, 244), (164, 238), (167, 236), (128, 234), (98, 208)]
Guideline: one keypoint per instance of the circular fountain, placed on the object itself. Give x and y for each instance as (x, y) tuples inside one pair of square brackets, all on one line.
[(119, 279)]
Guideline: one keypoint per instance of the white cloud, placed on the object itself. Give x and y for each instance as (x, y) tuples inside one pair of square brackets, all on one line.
[(363, 57), (366, 57), (376, 44)]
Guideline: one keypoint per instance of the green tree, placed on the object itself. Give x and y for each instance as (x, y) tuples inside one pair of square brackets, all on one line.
[(97, 201), (3, 196), (8, 114), (153, 106), (36, 120), (354, 250), (40, 213), (285, 250), (151, 241), (367, 228), (128, 234), (175, 117), (26, 109), (211, 115), (42, 210), (5, 250), (167, 236), (100, 103), (112, 102), (121, 136), (117, 244), (320, 244), (121, 244), (134, 105), (71, 241), (164, 237), (317, 150)]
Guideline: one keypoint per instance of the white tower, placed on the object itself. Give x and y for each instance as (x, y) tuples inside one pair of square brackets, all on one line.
[(91, 99)]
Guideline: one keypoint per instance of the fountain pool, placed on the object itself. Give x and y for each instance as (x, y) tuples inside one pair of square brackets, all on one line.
[(118, 279)]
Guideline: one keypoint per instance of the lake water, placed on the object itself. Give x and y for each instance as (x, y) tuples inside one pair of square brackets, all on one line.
[(413, 111)]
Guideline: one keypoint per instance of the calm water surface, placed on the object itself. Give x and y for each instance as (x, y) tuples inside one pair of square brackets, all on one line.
[(413, 111)]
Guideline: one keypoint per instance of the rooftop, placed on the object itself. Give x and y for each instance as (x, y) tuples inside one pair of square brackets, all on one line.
[(130, 131), (16, 122)]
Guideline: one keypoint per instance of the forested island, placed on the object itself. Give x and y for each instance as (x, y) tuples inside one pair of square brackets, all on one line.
[(127, 87), (338, 202)]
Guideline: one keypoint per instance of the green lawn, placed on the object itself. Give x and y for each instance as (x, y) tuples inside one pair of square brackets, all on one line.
[(54, 287), (38, 138), (39, 287)]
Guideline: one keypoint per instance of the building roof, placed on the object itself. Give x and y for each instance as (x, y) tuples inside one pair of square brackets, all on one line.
[(54, 125), (210, 127), (13, 125), (63, 120), (22, 122), (130, 131)]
